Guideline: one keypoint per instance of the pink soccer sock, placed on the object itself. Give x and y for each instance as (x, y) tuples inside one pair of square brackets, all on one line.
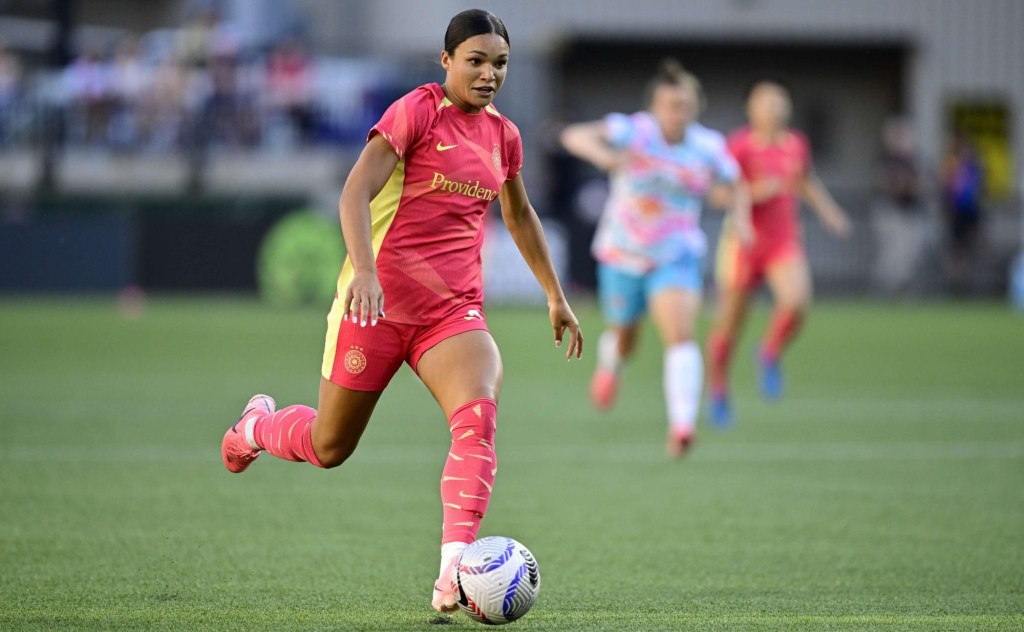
[(719, 356), (783, 329), (287, 434), (468, 475)]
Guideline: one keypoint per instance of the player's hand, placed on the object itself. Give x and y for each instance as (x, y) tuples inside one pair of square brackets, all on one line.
[(744, 231), (562, 318), (720, 196), (612, 160), (838, 223), (767, 188), (364, 299)]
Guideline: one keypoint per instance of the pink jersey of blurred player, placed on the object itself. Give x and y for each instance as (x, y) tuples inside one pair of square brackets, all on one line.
[(776, 220)]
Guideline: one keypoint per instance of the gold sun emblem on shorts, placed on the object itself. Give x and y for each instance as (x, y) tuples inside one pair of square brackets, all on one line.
[(496, 156), (355, 361)]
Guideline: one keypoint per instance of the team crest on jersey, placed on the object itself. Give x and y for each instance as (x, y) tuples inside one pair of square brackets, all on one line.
[(496, 157), (355, 361)]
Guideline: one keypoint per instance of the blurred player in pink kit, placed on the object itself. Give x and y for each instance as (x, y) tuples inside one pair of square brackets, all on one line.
[(649, 244), (776, 165), (411, 213)]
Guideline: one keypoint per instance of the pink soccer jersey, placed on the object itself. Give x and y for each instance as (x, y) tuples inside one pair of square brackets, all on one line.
[(777, 219), (426, 221)]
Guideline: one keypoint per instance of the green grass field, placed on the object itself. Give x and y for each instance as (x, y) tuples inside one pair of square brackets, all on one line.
[(885, 492)]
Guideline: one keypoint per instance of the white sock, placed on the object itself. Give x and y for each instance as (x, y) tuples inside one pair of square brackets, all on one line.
[(250, 432), (683, 379), (608, 351), (450, 550)]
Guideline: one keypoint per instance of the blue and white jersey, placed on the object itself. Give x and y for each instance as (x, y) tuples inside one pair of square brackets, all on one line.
[(653, 212)]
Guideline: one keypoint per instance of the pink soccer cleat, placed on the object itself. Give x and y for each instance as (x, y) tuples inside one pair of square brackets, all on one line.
[(604, 386), (235, 449), (680, 440), (445, 589)]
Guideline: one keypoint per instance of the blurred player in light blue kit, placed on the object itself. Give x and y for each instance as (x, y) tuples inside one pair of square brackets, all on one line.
[(649, 244)]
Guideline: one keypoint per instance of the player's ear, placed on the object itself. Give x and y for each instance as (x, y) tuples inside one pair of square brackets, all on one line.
[(446, 60)]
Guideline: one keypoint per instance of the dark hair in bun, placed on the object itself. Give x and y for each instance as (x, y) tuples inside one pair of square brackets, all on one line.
[(671, 73)]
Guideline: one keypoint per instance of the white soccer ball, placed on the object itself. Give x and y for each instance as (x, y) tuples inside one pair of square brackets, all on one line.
[(497, 580)]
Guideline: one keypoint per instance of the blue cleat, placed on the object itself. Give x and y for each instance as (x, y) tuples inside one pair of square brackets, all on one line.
[(771, 379), (721, 411)]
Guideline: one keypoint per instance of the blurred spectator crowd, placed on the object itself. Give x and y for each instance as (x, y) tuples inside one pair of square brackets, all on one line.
[(191, 86)]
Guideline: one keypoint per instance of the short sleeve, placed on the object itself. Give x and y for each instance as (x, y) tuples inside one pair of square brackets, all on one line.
[(513, 150), (620, 130), (406, 120)]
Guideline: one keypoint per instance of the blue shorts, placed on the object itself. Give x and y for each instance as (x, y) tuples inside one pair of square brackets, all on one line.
[(623, 294)]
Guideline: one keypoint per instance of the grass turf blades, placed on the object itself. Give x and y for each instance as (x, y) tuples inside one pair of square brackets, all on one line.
[(884, 492)]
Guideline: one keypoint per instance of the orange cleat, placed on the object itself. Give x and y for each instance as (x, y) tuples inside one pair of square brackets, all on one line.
[(604, 386), (680, 440), (235, 449)]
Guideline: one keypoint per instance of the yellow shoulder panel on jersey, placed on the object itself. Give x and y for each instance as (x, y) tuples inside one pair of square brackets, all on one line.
[(383, 209)]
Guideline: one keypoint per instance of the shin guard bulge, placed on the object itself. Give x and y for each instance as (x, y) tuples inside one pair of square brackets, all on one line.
[(720, 345), (287, 434), (784, 327), (468, 476)]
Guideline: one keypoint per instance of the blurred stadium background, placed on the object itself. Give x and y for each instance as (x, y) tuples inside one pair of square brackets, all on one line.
[(155, 142)]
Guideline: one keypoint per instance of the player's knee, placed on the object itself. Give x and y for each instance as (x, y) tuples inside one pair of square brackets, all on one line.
[(332, 458), (481, 393), (480, 433), (796, 299), (475, 422), (676, 333), (677, 338), (731, 322), (796, 305), (722, 331), (333, 454), (627, 343)]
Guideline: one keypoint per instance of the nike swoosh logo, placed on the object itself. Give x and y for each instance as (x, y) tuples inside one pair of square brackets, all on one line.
[(441, 147), (486, 484)]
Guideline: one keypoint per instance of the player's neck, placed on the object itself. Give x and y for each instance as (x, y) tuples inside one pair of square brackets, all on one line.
[(768, 136), (465, 107), (673, 138)]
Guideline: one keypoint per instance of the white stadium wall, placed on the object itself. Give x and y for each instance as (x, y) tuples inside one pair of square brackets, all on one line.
[(958, 48)]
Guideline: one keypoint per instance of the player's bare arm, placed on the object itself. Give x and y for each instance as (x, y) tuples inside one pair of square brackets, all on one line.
[(719, 197), (824, 206), (525, 228), (588, 141), (764, 189), (364, 298), (734, 199), (739, 211)]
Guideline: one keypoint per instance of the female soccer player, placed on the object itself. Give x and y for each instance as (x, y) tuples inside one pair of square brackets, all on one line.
[(776, 165), (649, 245), (411, 213)]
